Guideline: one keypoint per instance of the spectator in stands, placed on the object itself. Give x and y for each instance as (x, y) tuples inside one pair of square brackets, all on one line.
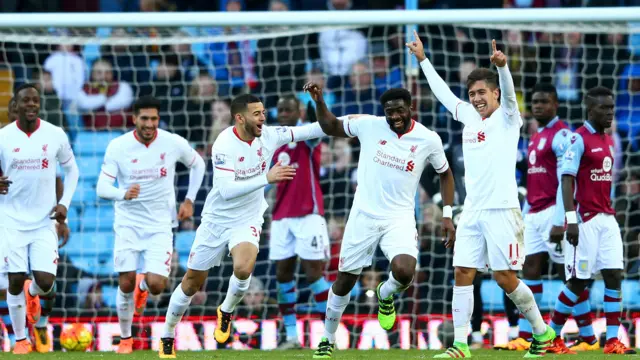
[(51, 106), (194, 123), (360, 96), (129, 61), (220, 120), (315, 75), (67, 70), (628, 107), (369, 280), (340, 49), (104, 99), (280, 61), (189, 63), (335, 180), (168, 86), (384, 76), (568, 68)]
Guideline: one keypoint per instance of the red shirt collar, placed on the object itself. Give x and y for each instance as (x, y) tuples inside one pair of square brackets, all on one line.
[(135, 134), (413, 123), (239, 138), (34, 130)]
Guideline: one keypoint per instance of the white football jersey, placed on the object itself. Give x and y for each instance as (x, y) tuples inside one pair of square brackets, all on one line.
[(490, 149), (238, 160), (390, 165), (152, 166), (30, 161)]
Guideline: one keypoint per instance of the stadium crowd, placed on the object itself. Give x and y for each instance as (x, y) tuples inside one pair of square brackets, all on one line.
[(91, 88)]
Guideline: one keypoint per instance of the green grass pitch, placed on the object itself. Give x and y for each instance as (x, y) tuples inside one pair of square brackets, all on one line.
[(308, 354)]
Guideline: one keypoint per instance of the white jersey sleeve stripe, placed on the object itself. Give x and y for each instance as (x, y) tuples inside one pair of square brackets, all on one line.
[(109, 175), (292, 138), (64, 162), (443, 167), (225, 169), (192, 161)]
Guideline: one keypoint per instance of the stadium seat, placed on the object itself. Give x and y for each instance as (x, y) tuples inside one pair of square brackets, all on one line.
[(109, 295), (184, 239), (74, 219), (97, 218), (96, 264), (88, 243), (90, 167), (85, 194), (93, 143)]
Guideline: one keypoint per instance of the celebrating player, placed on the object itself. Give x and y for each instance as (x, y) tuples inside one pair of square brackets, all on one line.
[(544, 222), (393, 156), (298, 228), (490, 226), (29, 150), (234, 209), (596, 244), (143, 161)]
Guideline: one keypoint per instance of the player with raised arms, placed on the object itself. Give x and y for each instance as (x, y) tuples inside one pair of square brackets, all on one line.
[(593, 235), (143, 161), (394, 152), (298, 228), (30, 148), (544, 218), (233, 212), (490, 231)]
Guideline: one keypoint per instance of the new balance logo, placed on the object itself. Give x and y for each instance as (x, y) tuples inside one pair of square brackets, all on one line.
[(134, 161), (16, 150), (481, 136), (383, 142), (241, 159)]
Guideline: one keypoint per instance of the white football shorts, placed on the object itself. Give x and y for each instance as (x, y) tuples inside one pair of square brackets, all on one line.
[(306, 236), (30, 250), (363, 234), (142, 250), (599, 247), (211, 243), (490, 239), (537, 227)]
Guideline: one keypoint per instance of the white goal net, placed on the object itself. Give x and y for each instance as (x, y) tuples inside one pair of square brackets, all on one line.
[(196, 68)]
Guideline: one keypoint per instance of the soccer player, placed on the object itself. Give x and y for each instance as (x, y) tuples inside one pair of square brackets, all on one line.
[(298, 228), (143, 161), (490, 231), (394, 152), (544, 221), (29, 150), (592, 229), (233, 212)]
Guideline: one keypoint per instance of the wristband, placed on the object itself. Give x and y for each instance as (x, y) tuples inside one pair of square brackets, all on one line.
[(572, 218), (447, 212)]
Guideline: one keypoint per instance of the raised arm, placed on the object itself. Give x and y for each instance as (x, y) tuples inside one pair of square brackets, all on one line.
[(287, 134), (439, 88), (508, 99), (329, 123)]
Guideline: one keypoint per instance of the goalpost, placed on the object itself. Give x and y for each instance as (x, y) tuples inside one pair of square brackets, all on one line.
[(194, 62)]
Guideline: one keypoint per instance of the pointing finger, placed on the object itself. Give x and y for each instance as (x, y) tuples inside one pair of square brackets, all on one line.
[(415, 34), (493, 45)]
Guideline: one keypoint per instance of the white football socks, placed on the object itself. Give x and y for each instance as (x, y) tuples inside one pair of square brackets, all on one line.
[(462, 306), (17, 305), (235, 293), (335, 307), (124, 304), (523, 298), (178, 305)]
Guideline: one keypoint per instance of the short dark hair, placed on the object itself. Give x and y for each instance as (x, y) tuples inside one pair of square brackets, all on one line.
[(483, 74), (546, 88), (25, 86), (146, 102), (239, 103), (597, 92), (396, 94), (290, 97), (12, 102)]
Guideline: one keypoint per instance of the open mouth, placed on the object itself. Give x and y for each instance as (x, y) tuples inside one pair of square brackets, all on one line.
[(481, 107), (31, 113), (259, 127), (398, 124)]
